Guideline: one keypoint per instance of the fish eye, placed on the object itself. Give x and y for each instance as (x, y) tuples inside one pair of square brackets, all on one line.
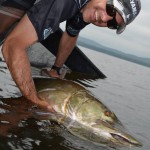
[(107, 113)]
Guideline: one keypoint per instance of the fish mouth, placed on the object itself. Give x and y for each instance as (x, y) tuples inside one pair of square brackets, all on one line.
[(117, 134), (121, 135), (126, 140)]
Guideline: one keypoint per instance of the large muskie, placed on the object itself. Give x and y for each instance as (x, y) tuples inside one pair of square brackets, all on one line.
[(82, 114)]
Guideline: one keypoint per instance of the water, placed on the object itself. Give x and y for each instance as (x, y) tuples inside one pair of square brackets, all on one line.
[(125, 91)]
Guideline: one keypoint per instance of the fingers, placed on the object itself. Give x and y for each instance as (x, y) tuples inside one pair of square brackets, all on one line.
[(53, 73), (49, 73), (45, 105)]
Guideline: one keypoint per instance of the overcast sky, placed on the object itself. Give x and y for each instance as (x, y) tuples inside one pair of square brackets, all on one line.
[(134, 40)]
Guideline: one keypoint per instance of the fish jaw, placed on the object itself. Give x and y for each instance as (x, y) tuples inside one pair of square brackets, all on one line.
[(116, 137)]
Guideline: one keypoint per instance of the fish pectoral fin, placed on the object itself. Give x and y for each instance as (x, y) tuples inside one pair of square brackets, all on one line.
[(82, 132), (78, 131), (61, 120), (85, 133)]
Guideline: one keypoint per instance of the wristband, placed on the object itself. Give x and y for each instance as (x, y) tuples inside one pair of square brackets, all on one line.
[(56, 69)]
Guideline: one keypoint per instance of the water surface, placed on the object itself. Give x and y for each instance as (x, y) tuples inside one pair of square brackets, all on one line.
[(125, 91)]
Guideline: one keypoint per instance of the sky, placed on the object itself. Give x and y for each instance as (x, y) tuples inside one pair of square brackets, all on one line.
[(134, 40)]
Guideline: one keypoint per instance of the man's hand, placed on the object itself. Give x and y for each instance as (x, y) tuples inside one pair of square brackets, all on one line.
[(53, 73), (49, 72), (43, 104)]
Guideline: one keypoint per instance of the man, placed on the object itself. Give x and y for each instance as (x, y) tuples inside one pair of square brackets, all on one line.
[(44, 18)]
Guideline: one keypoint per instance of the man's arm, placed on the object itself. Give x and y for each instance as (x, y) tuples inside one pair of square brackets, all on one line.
[(66, 46), (73, 27), (14, 52)]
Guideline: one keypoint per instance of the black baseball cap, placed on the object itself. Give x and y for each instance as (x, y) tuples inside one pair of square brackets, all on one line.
[(128, 9)]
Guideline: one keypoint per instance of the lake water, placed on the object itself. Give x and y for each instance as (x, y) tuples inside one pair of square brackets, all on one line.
[(126, 91)]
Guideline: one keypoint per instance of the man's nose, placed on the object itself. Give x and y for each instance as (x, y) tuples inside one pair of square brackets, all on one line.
[(105, 17)]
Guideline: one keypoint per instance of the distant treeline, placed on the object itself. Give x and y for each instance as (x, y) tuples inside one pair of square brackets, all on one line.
[(100, 48)]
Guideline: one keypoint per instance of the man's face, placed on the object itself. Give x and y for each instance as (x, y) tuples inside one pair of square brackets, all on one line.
[(95, 12)]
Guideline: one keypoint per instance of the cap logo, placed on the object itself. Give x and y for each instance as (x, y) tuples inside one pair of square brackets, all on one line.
[(128, 16), (134, 9)]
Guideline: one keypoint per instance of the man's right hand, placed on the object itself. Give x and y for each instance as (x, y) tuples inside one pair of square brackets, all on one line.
[(43, 104), (53, 73)]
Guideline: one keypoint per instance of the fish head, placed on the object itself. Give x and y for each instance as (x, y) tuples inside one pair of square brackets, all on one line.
[(114, 134), (101, 125)]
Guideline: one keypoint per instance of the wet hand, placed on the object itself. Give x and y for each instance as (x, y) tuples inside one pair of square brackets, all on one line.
[(50, 73), (53, 73), (43, 105)]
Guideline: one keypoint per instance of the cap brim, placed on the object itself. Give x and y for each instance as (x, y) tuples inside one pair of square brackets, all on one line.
[(120, 10), (121, 28)]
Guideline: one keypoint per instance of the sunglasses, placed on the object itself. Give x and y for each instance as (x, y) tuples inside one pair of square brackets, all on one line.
[(111, 11)]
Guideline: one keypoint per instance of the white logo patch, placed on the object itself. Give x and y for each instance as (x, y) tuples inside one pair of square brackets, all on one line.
[(47, 32)]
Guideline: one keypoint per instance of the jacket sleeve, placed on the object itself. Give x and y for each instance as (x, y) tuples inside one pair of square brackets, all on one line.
[(75, 24)]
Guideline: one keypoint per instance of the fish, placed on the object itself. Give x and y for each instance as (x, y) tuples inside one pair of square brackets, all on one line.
[(83, 114)]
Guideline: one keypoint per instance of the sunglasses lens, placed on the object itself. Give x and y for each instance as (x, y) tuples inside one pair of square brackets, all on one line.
[(112, 24), (111, 11)]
